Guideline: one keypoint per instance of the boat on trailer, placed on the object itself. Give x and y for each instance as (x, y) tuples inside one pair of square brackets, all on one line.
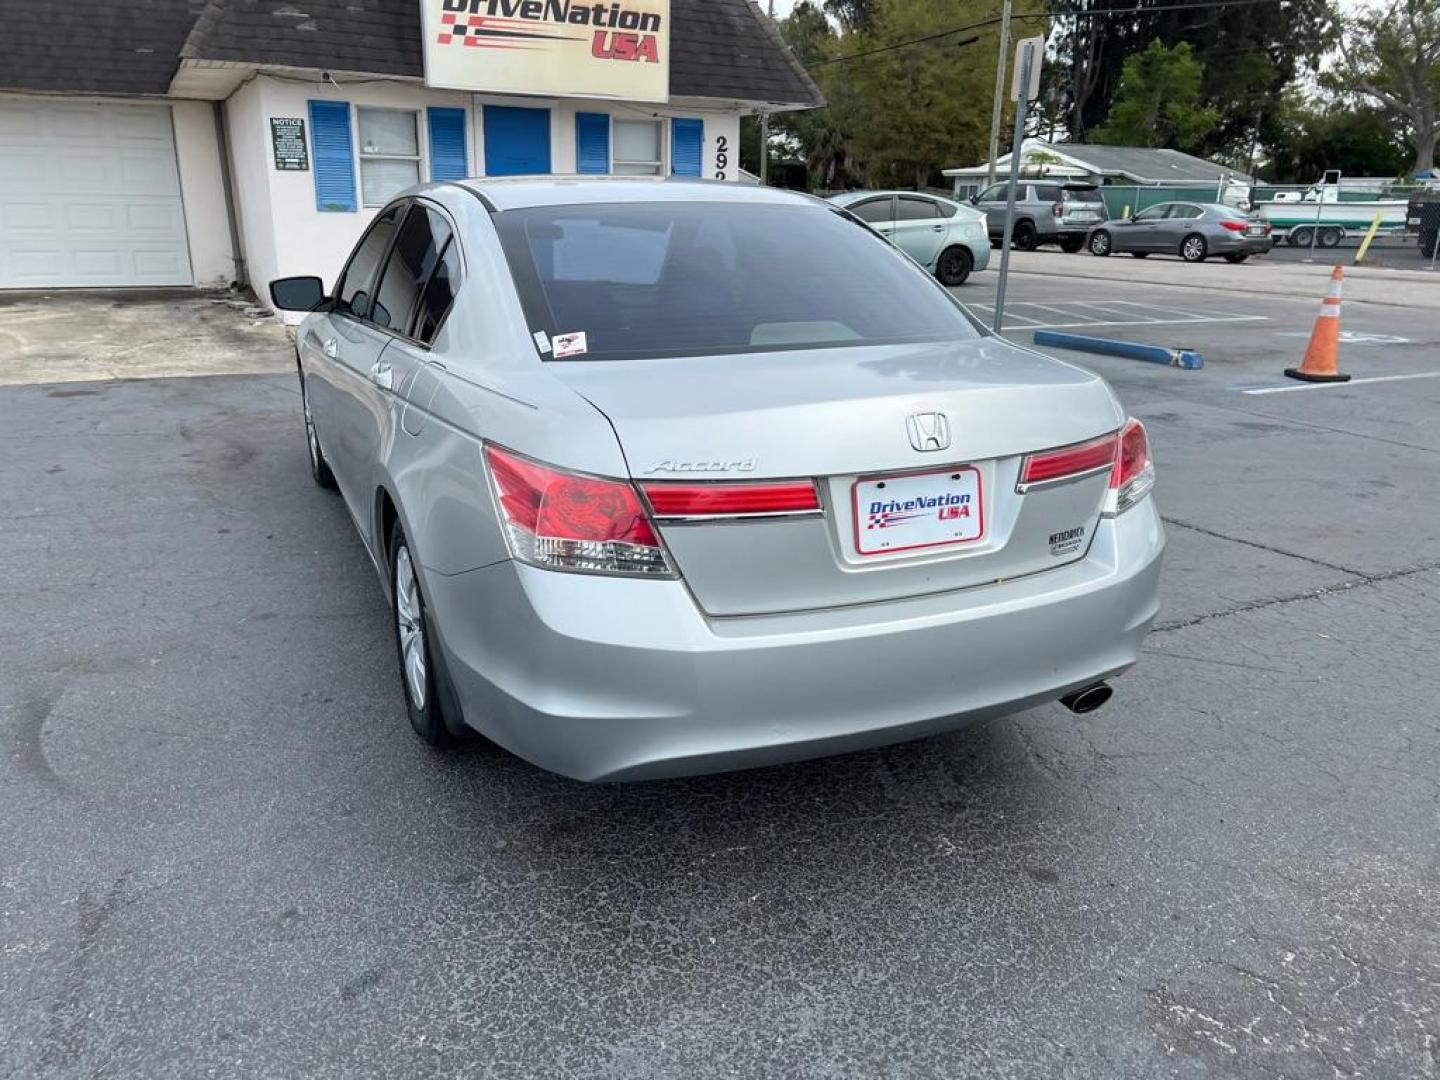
[(1296, 215)]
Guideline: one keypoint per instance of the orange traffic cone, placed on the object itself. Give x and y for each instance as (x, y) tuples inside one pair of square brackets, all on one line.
[(1322, 356)]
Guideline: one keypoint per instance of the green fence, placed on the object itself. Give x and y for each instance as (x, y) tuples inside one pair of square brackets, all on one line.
[(1137, 197)]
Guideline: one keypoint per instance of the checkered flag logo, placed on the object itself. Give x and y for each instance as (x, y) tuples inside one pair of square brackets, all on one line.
[(491, 32)]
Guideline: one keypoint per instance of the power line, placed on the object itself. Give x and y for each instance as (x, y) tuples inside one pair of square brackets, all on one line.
[(1094, 13)]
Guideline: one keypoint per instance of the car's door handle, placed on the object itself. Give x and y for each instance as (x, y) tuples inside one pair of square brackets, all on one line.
[(331, 350), (383, 375), (937, 228)]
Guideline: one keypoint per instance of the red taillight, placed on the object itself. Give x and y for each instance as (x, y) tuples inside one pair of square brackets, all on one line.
[(1234, 226), (1069, 460), (731, 500), (1058, 209), (1133, 475), (565, 521)]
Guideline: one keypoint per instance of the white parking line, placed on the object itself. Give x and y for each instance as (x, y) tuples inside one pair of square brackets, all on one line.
[(1076, 314), (1335, 385)]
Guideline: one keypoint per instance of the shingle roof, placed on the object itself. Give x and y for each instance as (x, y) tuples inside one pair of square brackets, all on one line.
[(719, 48), (106, 48), (1144, 164)]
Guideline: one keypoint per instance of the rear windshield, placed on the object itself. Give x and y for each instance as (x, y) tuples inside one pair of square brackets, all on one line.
[(642, 280), (1076, 193)]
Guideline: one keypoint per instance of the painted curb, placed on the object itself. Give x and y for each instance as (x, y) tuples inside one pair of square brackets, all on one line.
[(1155, 354)]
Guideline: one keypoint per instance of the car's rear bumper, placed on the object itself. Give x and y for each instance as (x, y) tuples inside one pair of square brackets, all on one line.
[(609, 679), (1230, 243)]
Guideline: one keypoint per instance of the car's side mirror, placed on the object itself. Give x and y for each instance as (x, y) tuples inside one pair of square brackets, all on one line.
[(297, 293)]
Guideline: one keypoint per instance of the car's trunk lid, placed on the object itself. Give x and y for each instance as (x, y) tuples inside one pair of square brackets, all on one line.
[(842, 416)]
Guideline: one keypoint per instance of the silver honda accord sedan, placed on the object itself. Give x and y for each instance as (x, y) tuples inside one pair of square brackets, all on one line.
[(674, 477)]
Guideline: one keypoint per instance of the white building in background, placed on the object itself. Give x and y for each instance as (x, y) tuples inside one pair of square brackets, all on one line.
[(172, 143)]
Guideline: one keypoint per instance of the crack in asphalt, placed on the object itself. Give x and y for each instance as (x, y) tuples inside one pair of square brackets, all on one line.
[(1327, 428), (1263, 547), (1361, 581)]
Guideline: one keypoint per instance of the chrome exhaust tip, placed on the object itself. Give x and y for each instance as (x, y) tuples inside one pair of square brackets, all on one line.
[(1088, 699)]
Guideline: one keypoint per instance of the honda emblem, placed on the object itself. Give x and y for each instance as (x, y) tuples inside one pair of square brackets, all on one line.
[(928, 431)]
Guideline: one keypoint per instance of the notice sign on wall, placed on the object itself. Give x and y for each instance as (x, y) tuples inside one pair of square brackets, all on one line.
[(287, 136), (613, 49)]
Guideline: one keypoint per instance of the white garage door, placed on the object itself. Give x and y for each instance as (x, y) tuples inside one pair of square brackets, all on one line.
[(89, 195)]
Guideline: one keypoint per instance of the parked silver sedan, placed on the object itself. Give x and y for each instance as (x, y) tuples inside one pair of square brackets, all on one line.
[(1193, 231), (670, 477), (944, 237)]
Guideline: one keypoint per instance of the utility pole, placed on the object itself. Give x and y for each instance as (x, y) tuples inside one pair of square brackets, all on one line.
[(765, 128), (999, 92), (1027, 62)]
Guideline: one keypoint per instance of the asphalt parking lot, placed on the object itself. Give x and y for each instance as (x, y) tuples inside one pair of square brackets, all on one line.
[(222, 851)]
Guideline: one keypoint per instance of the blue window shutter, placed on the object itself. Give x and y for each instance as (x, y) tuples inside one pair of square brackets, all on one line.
[(517, 141), (687, 142), (592, 142), (448, 160), (333, 151)]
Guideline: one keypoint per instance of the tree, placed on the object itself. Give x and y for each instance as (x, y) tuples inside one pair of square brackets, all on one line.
[(1393, 57), (1158, 103), (853, 14), (820, 135), (925, 105), (1250, 54), (1315, 135)]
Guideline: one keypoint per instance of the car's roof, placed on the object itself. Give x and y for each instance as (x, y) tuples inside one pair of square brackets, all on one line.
[(849, 197), (1193, 202), (519, 192)]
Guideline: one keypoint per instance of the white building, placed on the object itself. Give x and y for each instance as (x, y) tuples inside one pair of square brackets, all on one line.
[(172, 142)]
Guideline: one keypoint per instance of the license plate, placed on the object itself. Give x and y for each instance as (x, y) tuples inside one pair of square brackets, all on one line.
[(1255, 230), (918, 510), (1085, 215)]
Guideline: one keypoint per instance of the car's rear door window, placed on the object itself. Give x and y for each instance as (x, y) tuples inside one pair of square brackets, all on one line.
[(438, 295), (682, 278), (914, 208)]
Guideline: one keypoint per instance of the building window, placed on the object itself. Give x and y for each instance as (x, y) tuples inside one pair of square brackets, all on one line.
[(389, 153), (637, 147)]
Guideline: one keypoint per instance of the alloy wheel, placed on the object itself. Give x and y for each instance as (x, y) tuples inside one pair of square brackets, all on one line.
[(410, 624), (312, 441)]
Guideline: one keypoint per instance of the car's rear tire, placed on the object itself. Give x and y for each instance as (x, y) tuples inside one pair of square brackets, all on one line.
[(1237, 256), (1330, 237), (1192, 248), (419, 676), (954, 266), (1071, 244), (1024, 237), (319, 468), (1099, 243), (1300, 236)]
